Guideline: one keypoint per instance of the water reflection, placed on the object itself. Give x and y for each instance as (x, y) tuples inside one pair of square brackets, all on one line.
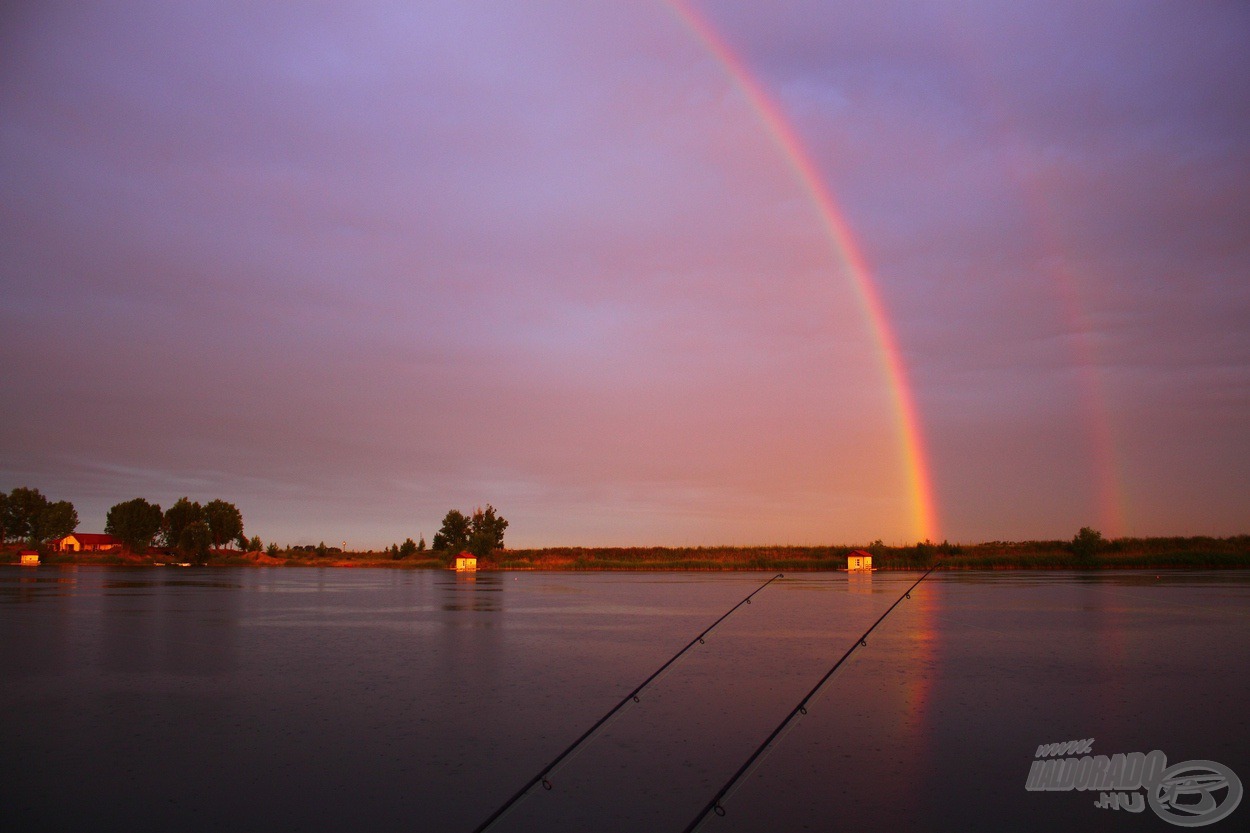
[(383, 700), (30, 585), (41, 643), (859, 581), (164, 628), (154, 584), (481, 592)]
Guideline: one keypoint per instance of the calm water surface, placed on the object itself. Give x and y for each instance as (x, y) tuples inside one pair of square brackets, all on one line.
[(317, 700)]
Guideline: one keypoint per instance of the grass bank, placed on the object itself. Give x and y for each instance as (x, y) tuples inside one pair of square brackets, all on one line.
[(1116, 554)]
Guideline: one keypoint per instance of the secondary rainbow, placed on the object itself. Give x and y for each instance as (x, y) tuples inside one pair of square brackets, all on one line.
[(907, 421)]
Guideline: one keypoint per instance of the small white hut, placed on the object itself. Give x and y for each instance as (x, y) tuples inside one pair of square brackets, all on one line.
[(466, 563), (859, 560)]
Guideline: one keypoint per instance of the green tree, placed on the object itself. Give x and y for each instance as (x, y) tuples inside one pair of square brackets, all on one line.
[(421, 544), (454, 535), (178, 517), (406, 549), (322, 550), (22, 511), (135, 522), (255, 544), (925, 551), (56, 521), (25, 514), (194, 541), (272, 549), (1087, 543), (486, 529), (225, 522)]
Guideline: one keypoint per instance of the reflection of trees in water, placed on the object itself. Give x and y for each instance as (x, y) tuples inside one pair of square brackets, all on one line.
[(166, 624), (30, 588), (46, 599), (474, 591)]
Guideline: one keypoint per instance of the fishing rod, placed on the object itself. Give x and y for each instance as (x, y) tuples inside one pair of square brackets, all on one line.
[(541, 777), (715, 804)]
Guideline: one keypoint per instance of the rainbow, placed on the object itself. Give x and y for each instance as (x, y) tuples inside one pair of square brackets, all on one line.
[(1107, 479), (907, 420)]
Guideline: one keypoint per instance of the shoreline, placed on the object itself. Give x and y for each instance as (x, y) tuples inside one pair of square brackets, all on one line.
[(1124, 554)]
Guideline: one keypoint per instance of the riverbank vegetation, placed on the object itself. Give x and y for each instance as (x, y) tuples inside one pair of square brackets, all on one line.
[(29, 518), (1122, 553), (1083, 552), (188, 532)]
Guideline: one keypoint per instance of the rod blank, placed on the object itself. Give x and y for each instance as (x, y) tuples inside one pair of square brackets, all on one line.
[(714, 806), (541, 777)]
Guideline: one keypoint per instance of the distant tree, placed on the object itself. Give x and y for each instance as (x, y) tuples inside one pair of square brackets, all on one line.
[(225, 521), (178, 517), (56, 521), (1087, 543), (408, 548), (925, 551), (194, 541), (322, 550), (255, 544), (454, 535), (486, 529), (135, 522), (22, 511), (421, 544), (25, 514), (272, 549), (242, 543)]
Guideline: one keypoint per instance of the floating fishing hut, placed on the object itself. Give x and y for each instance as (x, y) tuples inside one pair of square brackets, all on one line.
[(859, 560)]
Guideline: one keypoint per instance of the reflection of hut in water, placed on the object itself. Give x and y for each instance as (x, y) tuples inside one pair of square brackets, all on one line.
[(859, 560), (465, 562), (29, 558), (859, 581)]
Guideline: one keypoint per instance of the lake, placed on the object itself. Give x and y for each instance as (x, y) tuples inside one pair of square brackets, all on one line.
[(335, 699)]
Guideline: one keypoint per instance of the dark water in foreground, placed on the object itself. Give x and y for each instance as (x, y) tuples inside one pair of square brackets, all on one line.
[(318, 700)]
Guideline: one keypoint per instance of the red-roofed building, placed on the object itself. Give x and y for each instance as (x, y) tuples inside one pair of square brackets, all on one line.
[(88, 542), (858, 560)]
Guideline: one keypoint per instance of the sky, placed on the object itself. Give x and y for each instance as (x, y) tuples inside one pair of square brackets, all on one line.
[(349, 266)]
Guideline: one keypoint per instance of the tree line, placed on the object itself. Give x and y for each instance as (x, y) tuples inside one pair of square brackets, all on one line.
[(186, 526), (194, 529), (479, 534), (26, 515)]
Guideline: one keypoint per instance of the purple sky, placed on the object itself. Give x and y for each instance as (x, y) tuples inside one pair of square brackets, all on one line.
[(352, 265)]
